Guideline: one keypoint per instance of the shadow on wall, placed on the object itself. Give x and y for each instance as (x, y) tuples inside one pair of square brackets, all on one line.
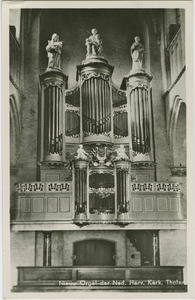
[(74, 26)]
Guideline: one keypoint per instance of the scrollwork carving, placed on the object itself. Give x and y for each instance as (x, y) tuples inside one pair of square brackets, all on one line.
[(96, 75)]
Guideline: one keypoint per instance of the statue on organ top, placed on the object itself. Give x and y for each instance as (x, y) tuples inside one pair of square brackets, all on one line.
[(54, 49), (94, 44), (137, 51)]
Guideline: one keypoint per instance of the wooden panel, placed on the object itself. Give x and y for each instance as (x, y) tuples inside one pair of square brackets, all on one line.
[(174, 204), (64, 204), (157, 273), (52, 205), (42, 275), (101, 275), (52, 177), (162, 204), (37, 205), (149, 204), (143, 177), (137, 204), (25, 205), (36, 276), (94, 253)]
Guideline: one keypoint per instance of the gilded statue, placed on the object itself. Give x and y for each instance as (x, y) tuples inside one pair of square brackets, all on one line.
[(54, 49), (137, 51)]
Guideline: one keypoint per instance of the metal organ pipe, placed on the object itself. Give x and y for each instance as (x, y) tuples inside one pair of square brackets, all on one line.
[(96, 105), (53, 120), (140, 120), (122, 190), (142, 140)]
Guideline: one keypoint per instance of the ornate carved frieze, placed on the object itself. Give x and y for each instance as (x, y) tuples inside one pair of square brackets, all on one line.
[(102, 155), (155, 187), (120, 109), (72, 91), (53, 164), (29, 187), (72, 109), (38, 187), (167, 187), (102, 192), (178, 171), (118, 91), (108, 134), (48, 83), (142, 187), (94, 75), (144, 164), (100, 171), (140, 86), (116, 136), (58, 187)]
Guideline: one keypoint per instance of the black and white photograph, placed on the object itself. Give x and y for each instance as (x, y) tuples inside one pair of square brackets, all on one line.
[(98, 101)]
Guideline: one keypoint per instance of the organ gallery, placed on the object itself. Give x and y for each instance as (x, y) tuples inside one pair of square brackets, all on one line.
[(98, 186)]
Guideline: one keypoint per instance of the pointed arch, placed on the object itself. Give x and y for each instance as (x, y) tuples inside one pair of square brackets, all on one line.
[(175, 126)]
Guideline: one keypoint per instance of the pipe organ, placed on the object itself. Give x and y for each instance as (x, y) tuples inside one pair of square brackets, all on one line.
[(95, 113)]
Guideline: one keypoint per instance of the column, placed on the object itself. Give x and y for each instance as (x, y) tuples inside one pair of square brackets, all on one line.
[(47, 249), (80, 189), (155, 250), (122, 189), (52, 84)]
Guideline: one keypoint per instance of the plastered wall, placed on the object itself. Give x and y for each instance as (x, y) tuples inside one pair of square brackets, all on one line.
[(22, 252), (173, 248)]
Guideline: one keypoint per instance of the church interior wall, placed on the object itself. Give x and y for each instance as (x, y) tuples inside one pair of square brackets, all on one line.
[(172, 248), (22, 251)]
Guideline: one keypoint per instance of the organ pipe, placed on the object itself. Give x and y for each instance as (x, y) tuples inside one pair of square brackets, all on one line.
[(53, 119), (140, 120), (96, 106), (122, 190), (80, 189), (47, 249)]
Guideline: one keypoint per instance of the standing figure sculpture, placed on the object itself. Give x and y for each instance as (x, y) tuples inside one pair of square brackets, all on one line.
[(54, 49), (137, 50), (94, 44)]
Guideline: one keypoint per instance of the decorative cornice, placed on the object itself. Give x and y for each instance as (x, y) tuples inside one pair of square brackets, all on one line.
[(53, 163), (52, 83), (95, 75), (118, 91), (140, 86)]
